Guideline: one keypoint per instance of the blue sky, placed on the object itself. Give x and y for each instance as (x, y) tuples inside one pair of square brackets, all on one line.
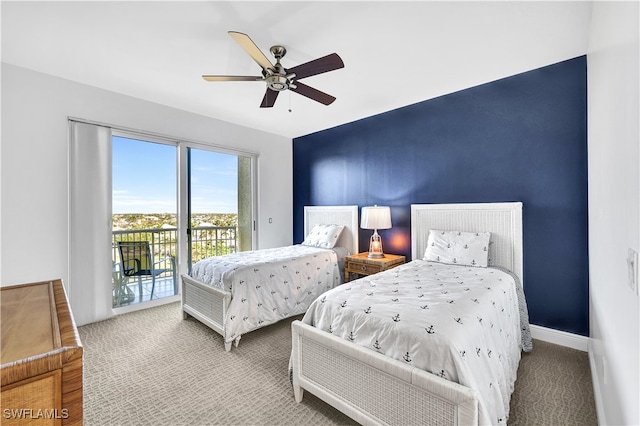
[(145, 179)]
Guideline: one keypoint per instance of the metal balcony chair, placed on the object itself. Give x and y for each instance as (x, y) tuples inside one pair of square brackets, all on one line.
[(136, 261), (122, 294)]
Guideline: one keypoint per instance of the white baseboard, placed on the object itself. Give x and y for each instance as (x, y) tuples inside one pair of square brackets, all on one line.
[(597, 393), (561, 338)]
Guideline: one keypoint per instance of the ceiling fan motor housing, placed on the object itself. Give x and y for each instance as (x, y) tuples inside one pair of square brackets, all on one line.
[(277, 82)]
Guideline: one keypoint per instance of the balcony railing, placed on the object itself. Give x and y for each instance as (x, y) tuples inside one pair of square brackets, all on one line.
[(206, 241)]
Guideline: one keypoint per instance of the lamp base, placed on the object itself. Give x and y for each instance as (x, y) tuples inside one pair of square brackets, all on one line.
[(375, 246)]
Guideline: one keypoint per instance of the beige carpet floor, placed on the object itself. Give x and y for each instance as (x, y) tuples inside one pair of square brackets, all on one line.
[(152, 368)]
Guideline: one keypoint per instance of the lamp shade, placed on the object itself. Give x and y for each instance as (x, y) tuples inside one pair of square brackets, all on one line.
[(376, 217)]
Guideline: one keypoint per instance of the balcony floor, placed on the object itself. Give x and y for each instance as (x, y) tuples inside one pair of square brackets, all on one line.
[(164, 288)]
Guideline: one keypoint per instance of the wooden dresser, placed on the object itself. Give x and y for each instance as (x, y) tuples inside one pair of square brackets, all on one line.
[(41, 357)]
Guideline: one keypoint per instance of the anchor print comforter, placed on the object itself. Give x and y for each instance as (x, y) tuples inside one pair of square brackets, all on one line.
[(458, 322), (270, 284)]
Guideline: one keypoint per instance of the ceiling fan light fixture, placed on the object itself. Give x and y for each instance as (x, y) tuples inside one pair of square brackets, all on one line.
[(277, 82)]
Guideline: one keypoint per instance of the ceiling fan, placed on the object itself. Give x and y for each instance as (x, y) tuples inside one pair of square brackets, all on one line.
[(279, 78)]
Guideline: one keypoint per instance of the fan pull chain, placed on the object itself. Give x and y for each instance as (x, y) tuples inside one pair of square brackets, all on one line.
[(289, 100)]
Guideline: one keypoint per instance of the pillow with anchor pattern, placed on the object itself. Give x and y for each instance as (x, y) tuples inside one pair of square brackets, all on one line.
[(458, 248), (323, 236)]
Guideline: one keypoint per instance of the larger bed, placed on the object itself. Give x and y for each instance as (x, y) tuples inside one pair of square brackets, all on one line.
[(429, 342), (241, 292)]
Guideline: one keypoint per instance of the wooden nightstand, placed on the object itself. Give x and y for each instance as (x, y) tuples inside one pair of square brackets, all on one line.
[(362, 265)]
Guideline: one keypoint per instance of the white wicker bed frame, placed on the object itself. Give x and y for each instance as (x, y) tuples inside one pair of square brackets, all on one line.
[(209, 304), (374, 389)]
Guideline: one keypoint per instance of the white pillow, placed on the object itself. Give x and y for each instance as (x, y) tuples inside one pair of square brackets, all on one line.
[(324, 236), (458, 248)]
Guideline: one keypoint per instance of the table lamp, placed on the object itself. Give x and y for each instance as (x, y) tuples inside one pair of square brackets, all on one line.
[(376, 217)]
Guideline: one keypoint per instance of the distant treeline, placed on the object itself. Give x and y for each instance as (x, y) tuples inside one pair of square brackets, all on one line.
[(135, 221)]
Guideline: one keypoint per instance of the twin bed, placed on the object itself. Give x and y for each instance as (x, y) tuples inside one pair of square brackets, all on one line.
[(433, 341), (241, 292), (426, 342)]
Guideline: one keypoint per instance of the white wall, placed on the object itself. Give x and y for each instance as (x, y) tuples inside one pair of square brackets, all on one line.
[(614, 208), (34, 206)]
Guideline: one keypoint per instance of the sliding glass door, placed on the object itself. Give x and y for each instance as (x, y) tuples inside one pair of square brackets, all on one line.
[(219, 204), (158, 183), (144, 220)]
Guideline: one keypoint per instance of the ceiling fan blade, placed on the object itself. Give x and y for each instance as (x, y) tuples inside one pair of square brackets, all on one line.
[(317, 66), (231, 78), (269, 99), (250, 47), (311, 93)]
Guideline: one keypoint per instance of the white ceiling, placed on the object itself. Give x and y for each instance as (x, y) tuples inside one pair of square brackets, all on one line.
[(395, 53)]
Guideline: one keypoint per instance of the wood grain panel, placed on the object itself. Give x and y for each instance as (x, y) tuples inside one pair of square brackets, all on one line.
[(41, 372)]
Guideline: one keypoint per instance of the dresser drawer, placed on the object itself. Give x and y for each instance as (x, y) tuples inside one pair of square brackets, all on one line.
[(363, 268)]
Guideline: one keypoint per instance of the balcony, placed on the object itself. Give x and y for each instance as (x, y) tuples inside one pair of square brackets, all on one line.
[(206, 241)]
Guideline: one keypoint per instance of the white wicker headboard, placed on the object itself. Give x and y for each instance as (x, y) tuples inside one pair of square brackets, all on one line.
[(503, 220), (338, 215)]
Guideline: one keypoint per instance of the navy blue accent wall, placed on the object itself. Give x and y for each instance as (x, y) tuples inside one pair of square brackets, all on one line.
[(522, 138)]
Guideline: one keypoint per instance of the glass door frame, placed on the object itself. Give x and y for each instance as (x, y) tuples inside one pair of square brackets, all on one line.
[(182, 168), (152, 138), (183, 196)]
